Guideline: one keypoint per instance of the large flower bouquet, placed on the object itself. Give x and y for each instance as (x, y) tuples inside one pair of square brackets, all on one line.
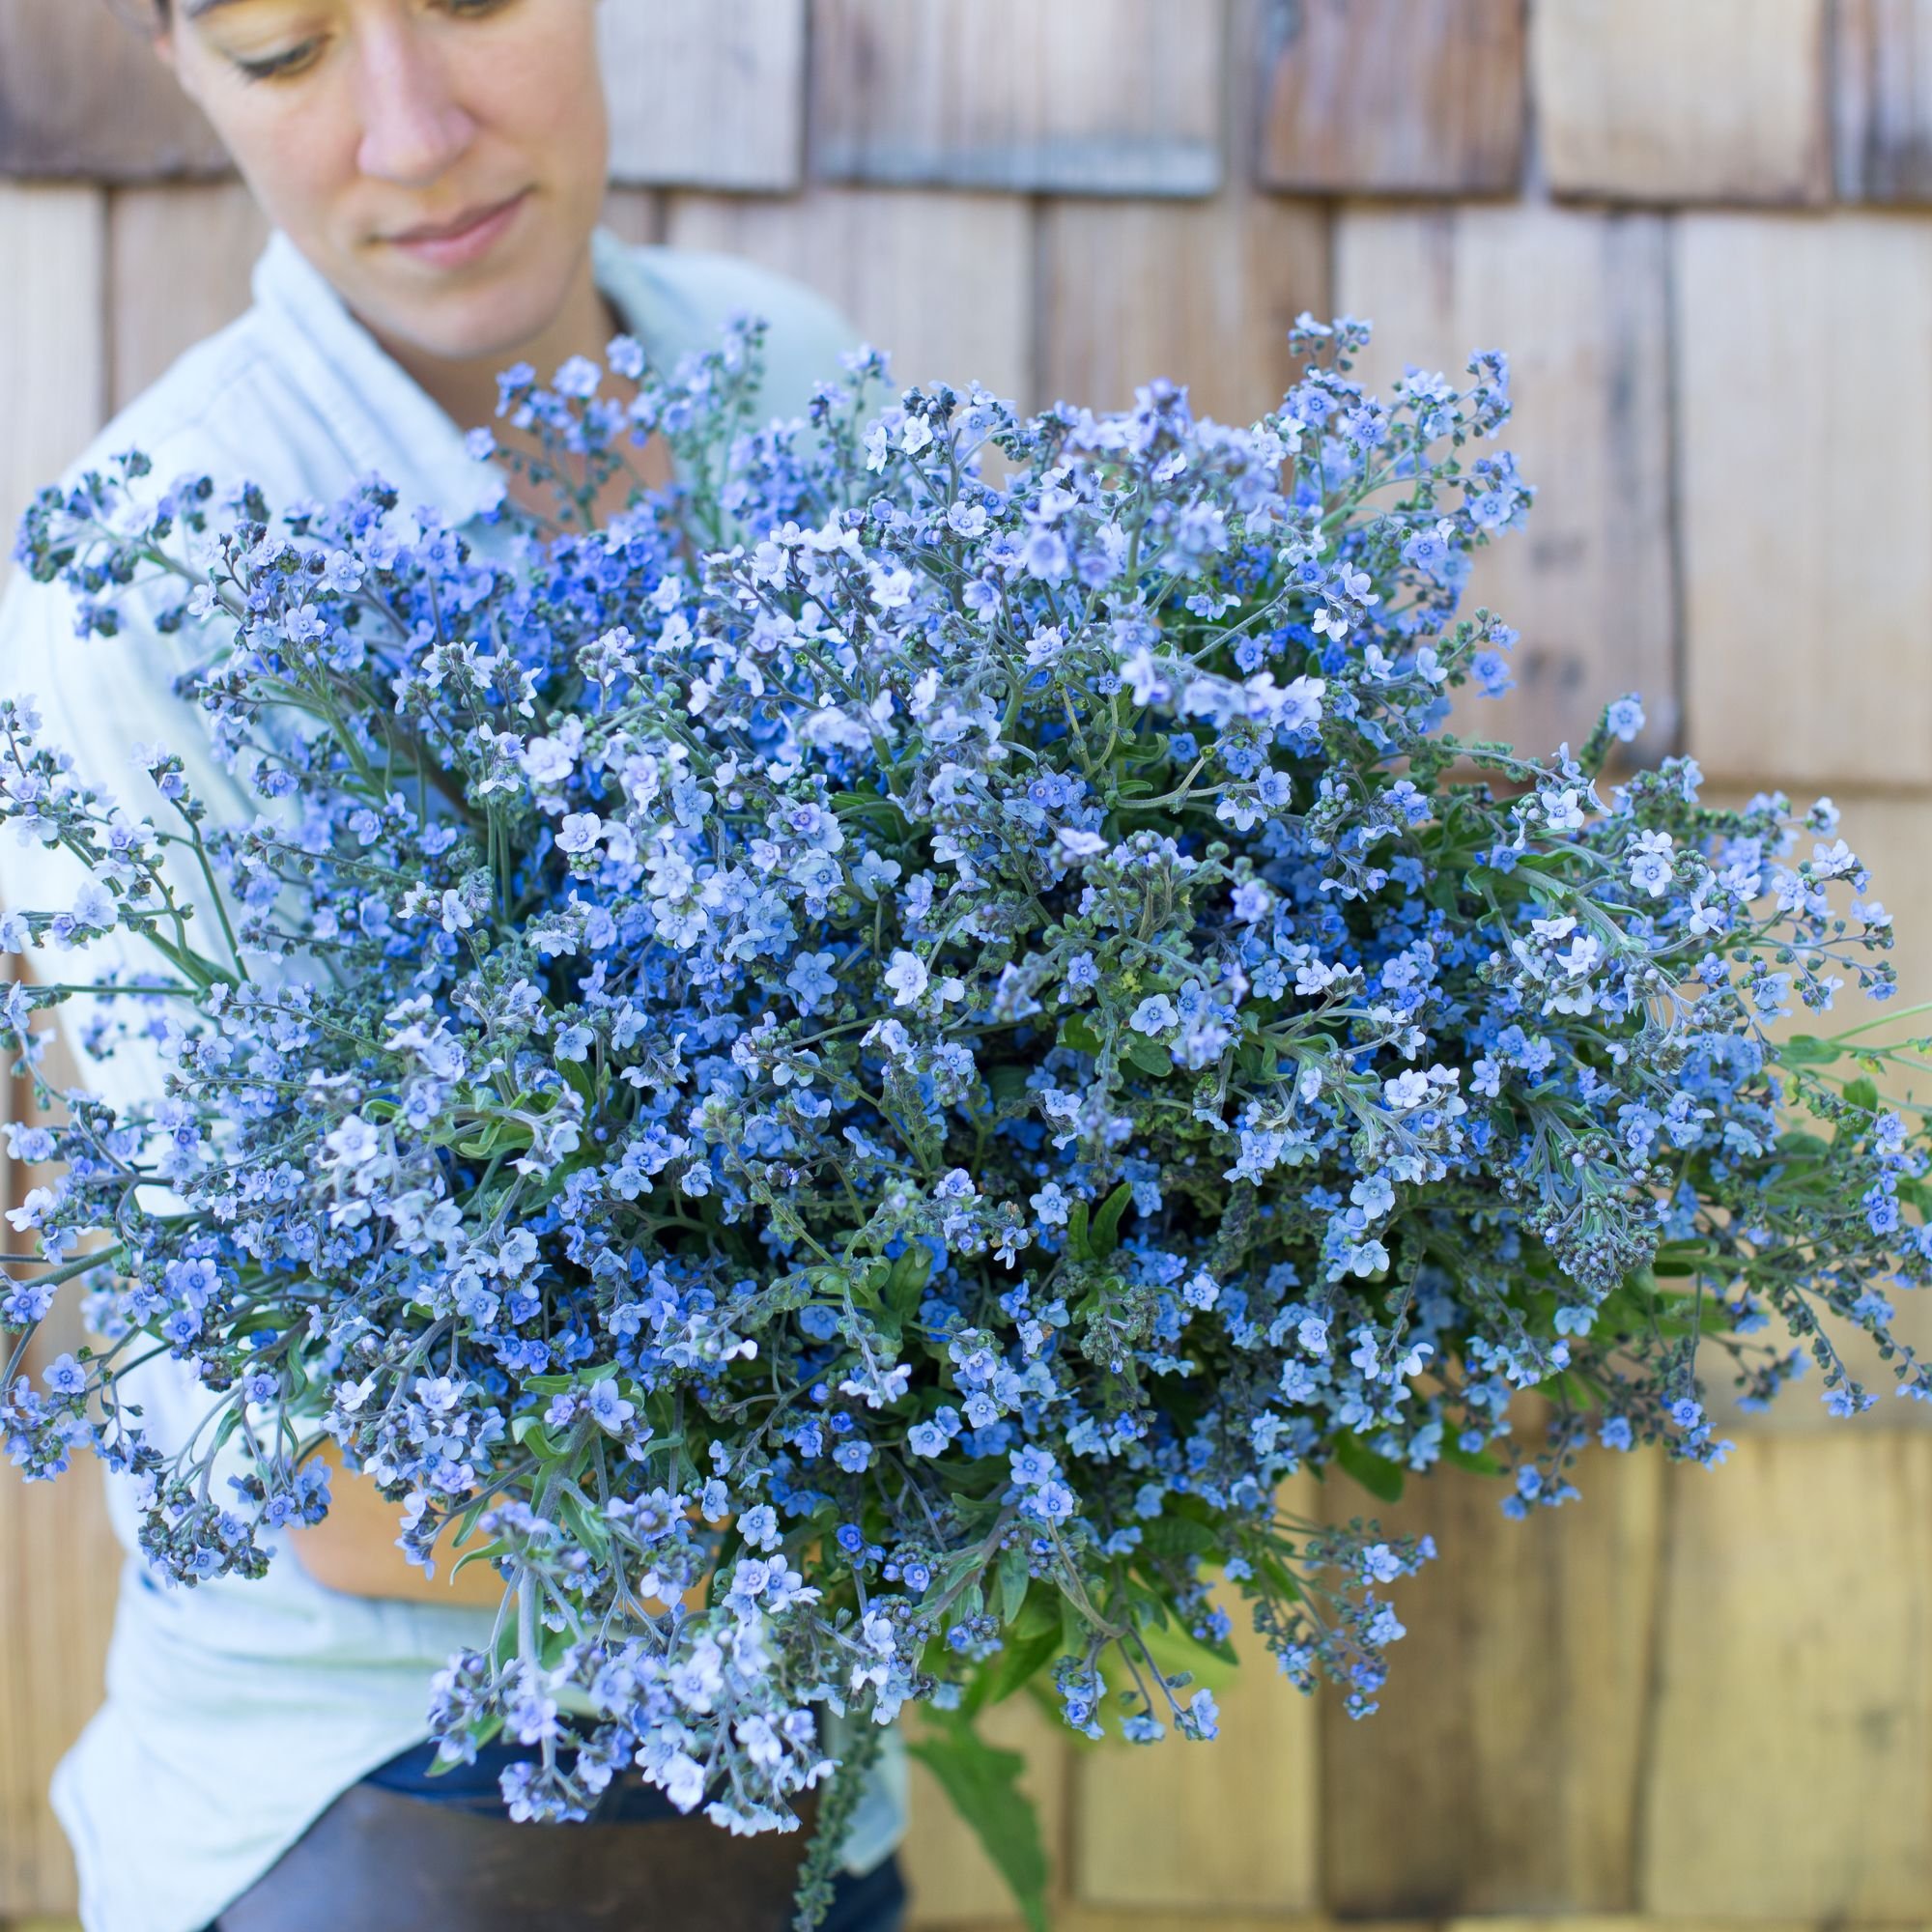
[(911, 1042)]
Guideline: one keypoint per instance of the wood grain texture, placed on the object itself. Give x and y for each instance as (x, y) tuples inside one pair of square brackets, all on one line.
[(951, 1879), (59, 1560), (1227, 1826), (57, 1555), (1808, 653), (635, 213), (1110, 96), (705, 93), (1664, 101), (52, 349), (1136, 289), (1577, 298), (1413, 97), (82, 96), (1500, 1773), (1790, 1772), (199, 244), (1882, 67), (1892, 835), (885, 256)]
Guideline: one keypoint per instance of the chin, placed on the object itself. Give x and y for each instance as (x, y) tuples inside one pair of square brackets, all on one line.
[(475, 325), (468, 318)]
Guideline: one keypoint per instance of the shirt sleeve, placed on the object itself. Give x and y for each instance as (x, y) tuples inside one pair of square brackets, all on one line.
[(686, 296), (96, 699)]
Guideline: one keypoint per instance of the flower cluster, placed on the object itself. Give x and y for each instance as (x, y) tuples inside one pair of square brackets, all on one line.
[(900, 1049)]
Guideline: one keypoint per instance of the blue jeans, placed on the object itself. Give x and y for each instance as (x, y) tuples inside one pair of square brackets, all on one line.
[(407, 1849)]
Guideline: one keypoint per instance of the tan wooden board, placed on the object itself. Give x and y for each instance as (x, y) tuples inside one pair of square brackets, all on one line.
[(1805, 487), (1131, 290), (1882, 119), (1122, 1918), (1892, 835), (1789, 1769), (1500, 1772), (635, 213), (1411, 97), (198, 243), (52, 349), (59, 1562), (82, 96), (1576, 298), (1683, 100), (703, 94), (1228, 1825), (945, 281), (951, 1878), (1111, 97)]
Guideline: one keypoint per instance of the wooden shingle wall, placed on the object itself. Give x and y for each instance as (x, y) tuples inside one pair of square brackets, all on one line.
[(1704, 230)]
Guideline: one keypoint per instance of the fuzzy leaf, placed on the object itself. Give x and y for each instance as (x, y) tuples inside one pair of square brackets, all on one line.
[(983, 1783)]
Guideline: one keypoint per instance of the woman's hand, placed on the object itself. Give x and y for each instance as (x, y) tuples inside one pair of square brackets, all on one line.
[(353, 1549)]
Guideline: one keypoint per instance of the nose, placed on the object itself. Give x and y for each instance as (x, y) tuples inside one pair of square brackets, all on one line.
[(414, 126)]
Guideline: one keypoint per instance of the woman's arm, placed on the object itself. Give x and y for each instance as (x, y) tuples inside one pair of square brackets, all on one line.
[(353, 1549)]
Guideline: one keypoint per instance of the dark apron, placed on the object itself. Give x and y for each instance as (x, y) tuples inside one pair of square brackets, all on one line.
[(404, 1852)]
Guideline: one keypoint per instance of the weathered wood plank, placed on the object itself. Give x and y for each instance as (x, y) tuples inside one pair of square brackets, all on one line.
[(880, 254), (1500, 1772), (705, 95), (1882, 65), (1111, 97), (1226, 1826), (1131, 290), (58, 1564), (949, 1875), (199, 244), (52, 356), (1415, 96), (1892, 835), (82, 96), (637, 214), (1577, 298), (57, 1555), (1790, 1774), (1809, 661), (1657, 100)]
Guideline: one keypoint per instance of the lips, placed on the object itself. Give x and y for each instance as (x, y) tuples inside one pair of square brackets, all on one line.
[(466, 239)]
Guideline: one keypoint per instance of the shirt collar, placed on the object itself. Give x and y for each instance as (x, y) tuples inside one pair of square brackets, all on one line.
[(384, 420)]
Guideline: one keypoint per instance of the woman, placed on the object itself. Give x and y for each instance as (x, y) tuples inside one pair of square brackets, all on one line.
[(434, 170)]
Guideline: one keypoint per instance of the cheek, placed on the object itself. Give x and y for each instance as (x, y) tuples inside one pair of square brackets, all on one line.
[(545, 96), (298, 161)]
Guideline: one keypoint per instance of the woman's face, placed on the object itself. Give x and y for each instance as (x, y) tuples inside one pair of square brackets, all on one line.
[(441, 161)]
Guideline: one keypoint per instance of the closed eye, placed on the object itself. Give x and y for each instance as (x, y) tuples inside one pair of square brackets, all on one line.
[(278, 67)]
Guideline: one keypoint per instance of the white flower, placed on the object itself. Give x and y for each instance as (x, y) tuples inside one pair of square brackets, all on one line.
[(907, 977)]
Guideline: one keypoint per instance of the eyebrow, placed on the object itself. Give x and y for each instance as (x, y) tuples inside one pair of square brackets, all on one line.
[(195, 8)]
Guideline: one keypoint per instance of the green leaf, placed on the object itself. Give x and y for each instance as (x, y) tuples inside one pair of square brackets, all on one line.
[(1861, 1093), (1480, 1463), (1176, 1536), (1022, 1660), (1153, 1059), (1105, 1236), (1014, 1581), (906, 1283), (1076, 1232), (1376, 1474), (983, 1783), (1077, 1030), (1804, 1049)]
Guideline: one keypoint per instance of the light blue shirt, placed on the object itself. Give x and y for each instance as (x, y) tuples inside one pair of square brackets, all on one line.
[(235, 1711)]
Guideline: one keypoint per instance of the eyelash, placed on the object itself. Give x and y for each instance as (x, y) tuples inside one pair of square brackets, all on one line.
[(283, 67)]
